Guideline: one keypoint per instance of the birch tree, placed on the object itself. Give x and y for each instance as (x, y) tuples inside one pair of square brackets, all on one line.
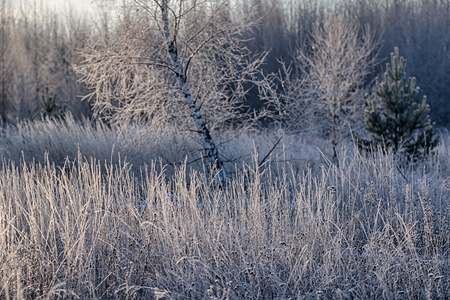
[(173, 63), (336, 68), (5, 65)]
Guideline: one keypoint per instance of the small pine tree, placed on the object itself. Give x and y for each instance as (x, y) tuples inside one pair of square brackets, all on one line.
[(49, 107), (403, 125)]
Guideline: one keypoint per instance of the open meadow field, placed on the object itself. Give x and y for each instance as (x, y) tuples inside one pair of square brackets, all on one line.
[(96, 226)]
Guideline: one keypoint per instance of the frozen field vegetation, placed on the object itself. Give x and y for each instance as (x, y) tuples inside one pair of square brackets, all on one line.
[(82, 222)]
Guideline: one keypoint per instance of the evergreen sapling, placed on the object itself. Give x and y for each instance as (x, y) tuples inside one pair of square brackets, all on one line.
[(403, 125)]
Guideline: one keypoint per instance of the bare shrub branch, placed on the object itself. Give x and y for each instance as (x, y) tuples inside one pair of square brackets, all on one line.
[(342, 55)]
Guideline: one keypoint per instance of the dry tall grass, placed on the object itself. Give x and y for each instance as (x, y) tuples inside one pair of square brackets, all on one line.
[(91, 230)]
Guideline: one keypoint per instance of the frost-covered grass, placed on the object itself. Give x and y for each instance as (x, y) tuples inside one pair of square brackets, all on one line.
[(34, 141), (281, 230), (59, 142)]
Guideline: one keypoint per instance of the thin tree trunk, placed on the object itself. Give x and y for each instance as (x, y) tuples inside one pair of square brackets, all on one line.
[(211, 152), (3, 48)]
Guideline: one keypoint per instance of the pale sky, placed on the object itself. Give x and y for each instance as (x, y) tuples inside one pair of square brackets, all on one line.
[(80, 4), (83, 6)]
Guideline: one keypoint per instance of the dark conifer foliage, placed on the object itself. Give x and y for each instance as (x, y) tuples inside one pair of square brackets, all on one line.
[(402, 125)]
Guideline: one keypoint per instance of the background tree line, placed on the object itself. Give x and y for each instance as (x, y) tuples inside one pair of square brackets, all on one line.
[(38, 46)]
